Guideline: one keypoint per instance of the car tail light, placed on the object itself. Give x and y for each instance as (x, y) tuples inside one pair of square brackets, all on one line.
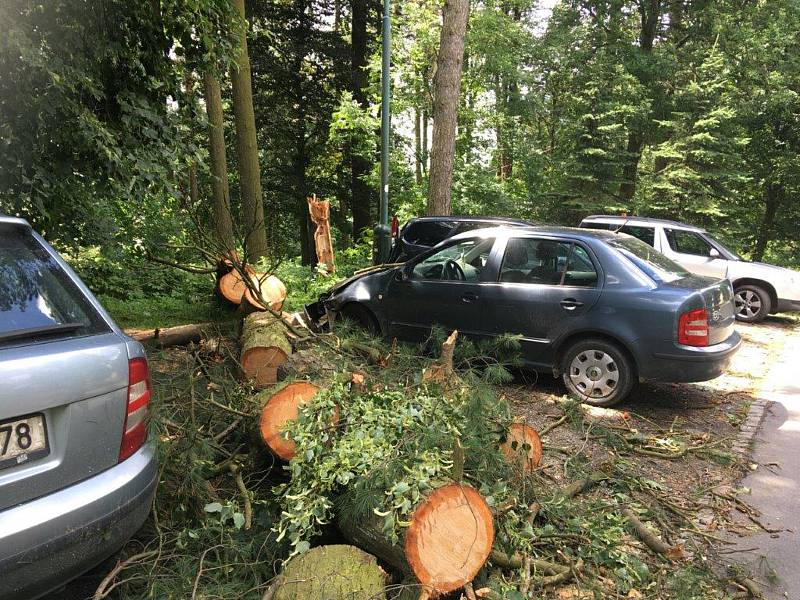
[(395, 226), (138, 408), (693, 328)]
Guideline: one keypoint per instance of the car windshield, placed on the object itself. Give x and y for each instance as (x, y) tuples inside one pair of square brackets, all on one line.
[(654, 264), (37, 298), (724, 247)]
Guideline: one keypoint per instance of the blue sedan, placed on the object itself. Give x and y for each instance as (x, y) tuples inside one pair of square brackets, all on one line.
[(601, 310)]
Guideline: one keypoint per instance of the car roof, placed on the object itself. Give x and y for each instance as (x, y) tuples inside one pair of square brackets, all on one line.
[(554, 230), (6, 219), (618, 219), (465, 219)]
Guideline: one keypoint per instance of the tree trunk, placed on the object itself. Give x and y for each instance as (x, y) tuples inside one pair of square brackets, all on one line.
[(247, 149), (449, 539), (772, 202), (417, 146), (331, 573), (179, 335), (633, 152), (264, 347), (425, 119), (221, 203), (446, 94), (231, 286), (359, 166)]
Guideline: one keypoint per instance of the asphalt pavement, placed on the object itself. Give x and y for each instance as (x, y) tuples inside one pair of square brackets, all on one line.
[(775, 483)]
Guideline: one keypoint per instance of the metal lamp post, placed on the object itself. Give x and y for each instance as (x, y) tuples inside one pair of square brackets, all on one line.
[(382, 239)]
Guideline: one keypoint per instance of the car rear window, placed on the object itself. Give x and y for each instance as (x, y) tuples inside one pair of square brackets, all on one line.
[(38, 300), (654, 264), (427, 233)]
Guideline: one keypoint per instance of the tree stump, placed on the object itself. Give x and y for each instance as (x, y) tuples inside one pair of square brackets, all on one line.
[(282, 407), (447, 543), (264, 348), (337, 572), (522, 447)]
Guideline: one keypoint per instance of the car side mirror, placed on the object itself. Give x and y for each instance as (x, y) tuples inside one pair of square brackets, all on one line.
[(402, 273), (714, 253)]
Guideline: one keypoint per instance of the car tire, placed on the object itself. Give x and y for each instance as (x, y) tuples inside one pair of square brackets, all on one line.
[(752, 303), (360, 316), (597, 372)]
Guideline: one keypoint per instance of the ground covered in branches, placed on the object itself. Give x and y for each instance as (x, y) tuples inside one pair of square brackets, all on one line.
[(227, 515)]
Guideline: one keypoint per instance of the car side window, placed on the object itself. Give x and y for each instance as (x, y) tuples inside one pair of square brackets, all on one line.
[(646, 234), (462, 261), (580, 269), (687, 242), (531, 260)]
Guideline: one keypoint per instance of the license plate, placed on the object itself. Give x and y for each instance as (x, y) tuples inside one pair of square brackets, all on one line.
[(22, 439)]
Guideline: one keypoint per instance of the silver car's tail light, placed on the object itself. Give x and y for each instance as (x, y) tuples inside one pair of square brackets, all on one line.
[(138, 408)]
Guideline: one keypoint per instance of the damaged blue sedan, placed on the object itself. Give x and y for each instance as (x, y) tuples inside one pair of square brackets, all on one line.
[(601, 310)]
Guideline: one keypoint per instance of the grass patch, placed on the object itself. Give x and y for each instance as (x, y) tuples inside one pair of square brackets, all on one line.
[(163, 311)]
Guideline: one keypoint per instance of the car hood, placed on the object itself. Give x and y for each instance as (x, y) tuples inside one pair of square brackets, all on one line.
[(743, 268), (359, 275)]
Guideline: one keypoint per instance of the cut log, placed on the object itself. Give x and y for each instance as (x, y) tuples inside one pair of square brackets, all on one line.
[(172, 336), (264, 348), (450, 538), (522, 447), (280, 408), (306, 364), (447, 543), (232, 287), (332, 573), (272, 291)]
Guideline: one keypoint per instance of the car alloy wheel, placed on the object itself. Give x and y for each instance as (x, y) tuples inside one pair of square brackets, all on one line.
[(752, 303), (594, 373), (598, 372)]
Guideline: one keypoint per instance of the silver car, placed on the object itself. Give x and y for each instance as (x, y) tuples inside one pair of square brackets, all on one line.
[(77, 475), (759, 289)]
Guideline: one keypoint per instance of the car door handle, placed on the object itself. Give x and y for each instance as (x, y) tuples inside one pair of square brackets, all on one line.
[(570, 304), (469, 298)]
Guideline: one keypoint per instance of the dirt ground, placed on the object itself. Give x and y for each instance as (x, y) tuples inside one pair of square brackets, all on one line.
[(676, 438)]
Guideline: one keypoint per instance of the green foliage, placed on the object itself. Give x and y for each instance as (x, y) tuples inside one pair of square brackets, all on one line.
[(395, 444)]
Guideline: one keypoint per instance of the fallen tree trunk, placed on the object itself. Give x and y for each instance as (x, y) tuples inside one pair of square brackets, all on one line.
[(272, 291), (337, 572), (264, 348), (173, 336), (231, 287), (278, 410), (448, 541)]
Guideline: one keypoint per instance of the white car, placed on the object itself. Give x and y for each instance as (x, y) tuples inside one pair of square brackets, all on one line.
[(760, 289)]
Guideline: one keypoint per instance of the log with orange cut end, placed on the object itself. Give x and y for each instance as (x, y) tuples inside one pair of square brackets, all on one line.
[(522, 447), (281, 408)]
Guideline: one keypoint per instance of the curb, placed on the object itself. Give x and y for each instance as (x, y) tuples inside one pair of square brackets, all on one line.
[(743, 444)]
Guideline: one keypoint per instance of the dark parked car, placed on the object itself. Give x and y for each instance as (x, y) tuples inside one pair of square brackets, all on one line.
[(423, 233), (601, 310), (76, 474)]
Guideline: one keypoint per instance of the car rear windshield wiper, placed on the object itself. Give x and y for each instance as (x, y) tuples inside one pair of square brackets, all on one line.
[(17, 334)]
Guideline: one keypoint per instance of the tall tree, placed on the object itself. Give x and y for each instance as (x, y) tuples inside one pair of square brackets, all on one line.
[(446, 96), (359, 166), (221, 200), (247, 148)]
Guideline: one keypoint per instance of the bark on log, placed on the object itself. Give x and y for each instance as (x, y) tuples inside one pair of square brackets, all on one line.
[(332, 573), (522, 447), (279, 409), (172, 336), (447, 543), (264, 348)]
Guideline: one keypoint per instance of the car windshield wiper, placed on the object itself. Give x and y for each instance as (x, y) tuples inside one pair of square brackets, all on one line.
[(29, 332)]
